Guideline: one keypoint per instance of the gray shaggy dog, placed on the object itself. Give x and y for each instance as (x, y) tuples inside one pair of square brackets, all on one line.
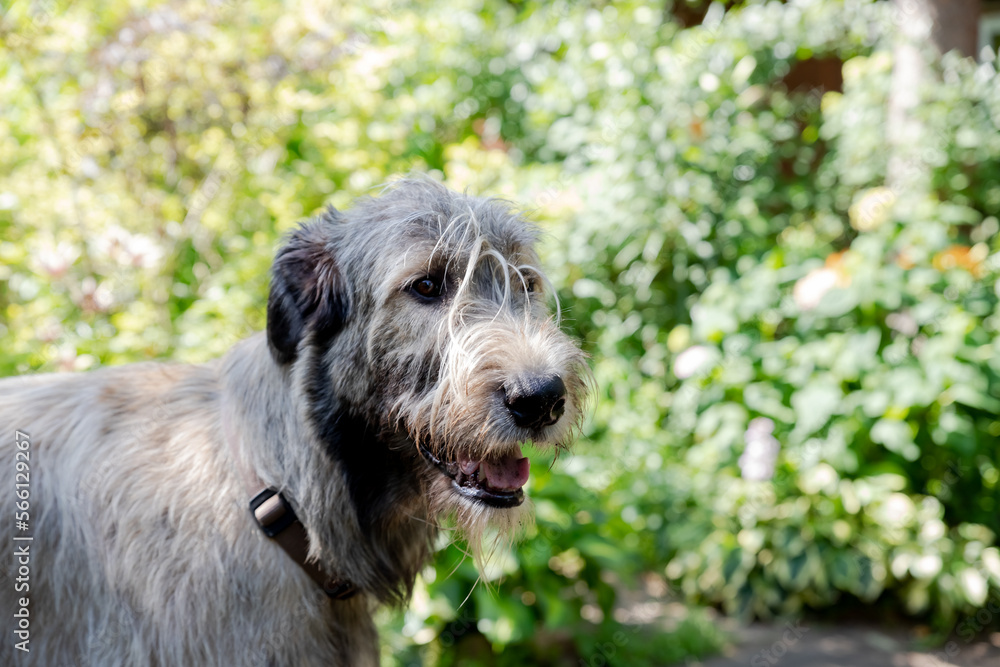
[(409, 354)]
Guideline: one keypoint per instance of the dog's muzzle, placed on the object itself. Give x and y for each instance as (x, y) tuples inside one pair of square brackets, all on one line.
[(534, 402)]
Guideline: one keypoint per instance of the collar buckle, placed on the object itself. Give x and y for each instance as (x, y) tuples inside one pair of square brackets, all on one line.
[(272, 512)]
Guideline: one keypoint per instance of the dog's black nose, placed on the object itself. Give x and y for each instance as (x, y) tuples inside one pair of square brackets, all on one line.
[(535, 402)]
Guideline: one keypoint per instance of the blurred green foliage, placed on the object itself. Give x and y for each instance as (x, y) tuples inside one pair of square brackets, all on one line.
[(747, 285)]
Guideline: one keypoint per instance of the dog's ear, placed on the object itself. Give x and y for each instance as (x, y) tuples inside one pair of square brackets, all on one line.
[(308, 292)]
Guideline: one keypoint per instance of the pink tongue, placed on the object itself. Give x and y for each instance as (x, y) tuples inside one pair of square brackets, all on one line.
[(508, 474)]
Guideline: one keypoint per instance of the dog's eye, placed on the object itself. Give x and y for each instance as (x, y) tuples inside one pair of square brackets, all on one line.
[(428, 288), (531, 286)]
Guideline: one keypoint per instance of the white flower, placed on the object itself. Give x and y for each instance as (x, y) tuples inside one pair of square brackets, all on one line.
[(8, 201), (903, 322), (872, 209), (975, 586), (691, 360), (94, 297), (55, 260), (812, 287), (761, 452), (89, 168), (143, 251), (128, 249), (926, 566)]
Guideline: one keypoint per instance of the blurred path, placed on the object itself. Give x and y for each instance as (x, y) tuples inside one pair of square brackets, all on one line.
[(799, 645)]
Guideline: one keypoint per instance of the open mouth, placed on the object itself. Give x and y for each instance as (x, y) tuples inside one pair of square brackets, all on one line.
[(496, 482)]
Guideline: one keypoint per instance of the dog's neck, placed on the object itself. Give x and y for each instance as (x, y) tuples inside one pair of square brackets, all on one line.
[(352, 486)]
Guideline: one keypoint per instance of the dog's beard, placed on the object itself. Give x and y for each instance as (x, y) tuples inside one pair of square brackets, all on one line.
[(472, 465), (488, 531), (479, 501)]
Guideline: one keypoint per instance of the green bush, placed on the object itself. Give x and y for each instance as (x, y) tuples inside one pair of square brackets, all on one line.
[(751, 288)]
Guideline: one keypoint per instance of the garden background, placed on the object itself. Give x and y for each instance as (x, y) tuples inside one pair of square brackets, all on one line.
[(790, 300)]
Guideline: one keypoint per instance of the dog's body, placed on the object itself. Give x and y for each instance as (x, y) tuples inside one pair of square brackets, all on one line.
[(407, 357)]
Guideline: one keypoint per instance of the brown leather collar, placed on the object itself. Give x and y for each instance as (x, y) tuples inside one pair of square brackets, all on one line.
[(276, 518), (278, 521)]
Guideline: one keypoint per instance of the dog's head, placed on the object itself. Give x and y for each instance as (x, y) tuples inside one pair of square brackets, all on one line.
[(430, 317)]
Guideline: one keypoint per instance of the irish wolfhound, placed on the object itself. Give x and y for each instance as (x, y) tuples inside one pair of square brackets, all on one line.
[(409, 354)]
